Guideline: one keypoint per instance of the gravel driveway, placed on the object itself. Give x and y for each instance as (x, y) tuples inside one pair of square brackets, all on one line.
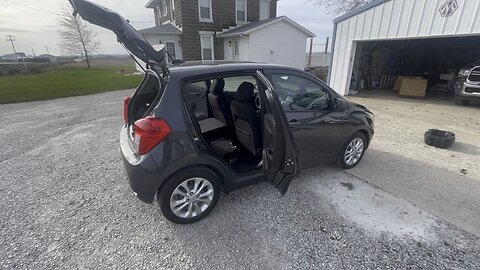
[(66, 204)]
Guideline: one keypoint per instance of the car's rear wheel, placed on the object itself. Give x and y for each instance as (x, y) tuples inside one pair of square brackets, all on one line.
[(189, 195), (353, 150)]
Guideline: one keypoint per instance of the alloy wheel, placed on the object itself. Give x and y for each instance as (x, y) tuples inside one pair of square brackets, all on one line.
[(354, 151), (192, 197)]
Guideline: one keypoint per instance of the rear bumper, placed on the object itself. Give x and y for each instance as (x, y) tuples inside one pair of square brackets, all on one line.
[(142, 171)]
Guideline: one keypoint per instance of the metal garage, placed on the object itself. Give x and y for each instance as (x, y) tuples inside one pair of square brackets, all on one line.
[(429, 39)]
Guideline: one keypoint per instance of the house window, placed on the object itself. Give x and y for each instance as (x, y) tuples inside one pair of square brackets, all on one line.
[(205, 10), (164, 8), (172, 10), (241, 7), (264, 9), (207, 47), (170, 47)]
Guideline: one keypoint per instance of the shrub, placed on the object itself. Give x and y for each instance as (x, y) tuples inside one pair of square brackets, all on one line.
[(14, 71), (35, 69)]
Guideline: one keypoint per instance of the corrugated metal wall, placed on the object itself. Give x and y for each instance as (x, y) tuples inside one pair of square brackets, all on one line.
[(398, 19)]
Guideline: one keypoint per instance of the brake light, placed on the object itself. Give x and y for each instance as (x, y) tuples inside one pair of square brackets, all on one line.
[(126, 101), (149, 132)]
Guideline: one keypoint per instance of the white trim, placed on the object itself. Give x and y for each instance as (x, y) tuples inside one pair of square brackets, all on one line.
[(206, 33), (211, 42), (200, 13), (236, 14)]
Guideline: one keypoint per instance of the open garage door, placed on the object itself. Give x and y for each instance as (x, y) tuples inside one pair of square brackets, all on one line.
[(434, 63)]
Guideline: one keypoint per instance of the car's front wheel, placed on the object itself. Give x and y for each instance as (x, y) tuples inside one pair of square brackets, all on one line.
[(189, 195), (353, 150)]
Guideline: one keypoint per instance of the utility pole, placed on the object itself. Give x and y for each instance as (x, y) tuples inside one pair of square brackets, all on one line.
[(11, 39), (33, 52), (47, 50), (326, 51), (310, 52)]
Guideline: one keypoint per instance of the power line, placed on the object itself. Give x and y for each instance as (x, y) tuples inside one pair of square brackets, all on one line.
[(33, 8)]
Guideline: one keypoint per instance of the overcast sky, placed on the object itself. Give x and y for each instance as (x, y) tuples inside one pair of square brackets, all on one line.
[(33, 22)]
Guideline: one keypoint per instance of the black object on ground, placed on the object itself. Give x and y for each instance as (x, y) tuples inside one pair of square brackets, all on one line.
[(439, 138)]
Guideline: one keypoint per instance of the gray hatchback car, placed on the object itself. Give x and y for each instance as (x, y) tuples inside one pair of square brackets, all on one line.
[(193, 129)]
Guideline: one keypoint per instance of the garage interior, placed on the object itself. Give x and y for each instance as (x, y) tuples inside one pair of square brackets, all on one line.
[(433, 63)]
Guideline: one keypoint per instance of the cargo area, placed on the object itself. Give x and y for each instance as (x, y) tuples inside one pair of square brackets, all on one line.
[(411, 68)]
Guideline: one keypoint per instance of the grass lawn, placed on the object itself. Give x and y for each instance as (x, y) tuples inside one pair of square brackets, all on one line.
[(63, 82)]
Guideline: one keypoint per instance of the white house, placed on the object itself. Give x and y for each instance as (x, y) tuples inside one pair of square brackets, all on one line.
[(277, 40), (428, 38)]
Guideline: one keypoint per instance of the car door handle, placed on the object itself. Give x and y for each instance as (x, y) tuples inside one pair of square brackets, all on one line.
[(197, 94), (293, 121)]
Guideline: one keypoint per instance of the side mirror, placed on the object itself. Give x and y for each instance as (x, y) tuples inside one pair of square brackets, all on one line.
[(340, 105)]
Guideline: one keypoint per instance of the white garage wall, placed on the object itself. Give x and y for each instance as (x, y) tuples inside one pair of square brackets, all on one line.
[(397, 19), (279, 43)]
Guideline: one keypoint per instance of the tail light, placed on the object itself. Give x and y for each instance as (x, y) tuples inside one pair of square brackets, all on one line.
[(149, 132), (126, 101)]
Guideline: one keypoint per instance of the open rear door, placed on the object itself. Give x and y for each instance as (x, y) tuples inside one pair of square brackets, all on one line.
[(281, 160)]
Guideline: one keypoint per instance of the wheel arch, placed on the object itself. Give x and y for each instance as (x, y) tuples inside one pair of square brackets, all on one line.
[(209, 167)]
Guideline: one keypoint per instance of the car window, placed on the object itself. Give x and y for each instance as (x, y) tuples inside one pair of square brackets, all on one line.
[(297, 93), (232, 83)]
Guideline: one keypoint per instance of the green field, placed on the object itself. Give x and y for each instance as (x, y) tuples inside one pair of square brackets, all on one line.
[(63, 82)]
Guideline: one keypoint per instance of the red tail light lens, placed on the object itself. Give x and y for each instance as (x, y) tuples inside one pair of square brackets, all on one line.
[(149, 132), (126, 101)]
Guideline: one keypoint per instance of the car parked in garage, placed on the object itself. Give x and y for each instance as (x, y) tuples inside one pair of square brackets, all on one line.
[(467, 84), (192, 129)]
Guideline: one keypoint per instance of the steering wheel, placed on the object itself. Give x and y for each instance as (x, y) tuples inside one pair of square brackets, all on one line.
[(302, 99), (315, 101)]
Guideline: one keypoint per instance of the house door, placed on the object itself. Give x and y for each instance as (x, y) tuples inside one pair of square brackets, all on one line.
[(170, 47), (236, 50)]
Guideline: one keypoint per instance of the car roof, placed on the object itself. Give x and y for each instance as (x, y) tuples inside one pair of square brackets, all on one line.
[(198, 68)]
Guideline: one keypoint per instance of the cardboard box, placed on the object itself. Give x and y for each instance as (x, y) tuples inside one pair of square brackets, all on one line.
[(411, 86)]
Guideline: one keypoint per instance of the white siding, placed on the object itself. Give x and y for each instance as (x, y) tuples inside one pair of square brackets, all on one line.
[(279, 43), (398, 19)]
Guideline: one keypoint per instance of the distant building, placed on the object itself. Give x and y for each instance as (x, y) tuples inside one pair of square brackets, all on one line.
[(52, 59), (13, 57)]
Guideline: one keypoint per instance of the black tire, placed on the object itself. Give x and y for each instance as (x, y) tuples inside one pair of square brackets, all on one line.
[(460, 101), (341, 156), (165, 193)]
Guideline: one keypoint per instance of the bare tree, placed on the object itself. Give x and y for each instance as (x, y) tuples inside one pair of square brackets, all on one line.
[(76, 35), (340, 6)]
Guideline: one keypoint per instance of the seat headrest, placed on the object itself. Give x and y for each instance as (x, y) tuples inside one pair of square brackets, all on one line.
[(244, 91), (217, 86)]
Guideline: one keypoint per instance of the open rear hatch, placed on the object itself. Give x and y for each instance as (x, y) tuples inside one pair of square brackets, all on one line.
[(126, 34)]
